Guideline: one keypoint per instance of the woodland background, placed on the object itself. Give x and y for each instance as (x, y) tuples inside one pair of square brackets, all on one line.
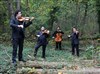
[(83, 14)]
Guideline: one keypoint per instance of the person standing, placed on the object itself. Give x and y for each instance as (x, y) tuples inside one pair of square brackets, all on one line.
[(42, 41), (57, 35), (18, 29), (75, 41)]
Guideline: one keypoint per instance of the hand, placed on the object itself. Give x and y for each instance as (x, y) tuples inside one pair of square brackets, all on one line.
[(53, 37), (48, 32), (69, 36), (77, 32), (38, 35), (20, 26), (31, 18)]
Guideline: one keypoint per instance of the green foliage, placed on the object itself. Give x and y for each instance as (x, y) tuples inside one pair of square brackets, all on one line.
[(91, 52), (50, 13), (5, 37), (97, 52)]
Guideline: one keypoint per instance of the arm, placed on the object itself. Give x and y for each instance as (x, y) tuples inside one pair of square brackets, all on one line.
[(46, 35), (15, 25), (38, 34), (62, 32), (77, 34), (53, 35), (70, 35), (27, 24), (12, 23)]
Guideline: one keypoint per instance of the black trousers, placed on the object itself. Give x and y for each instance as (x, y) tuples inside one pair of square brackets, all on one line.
[(75, 46), (58, 45), (17, 42), (43, 50)]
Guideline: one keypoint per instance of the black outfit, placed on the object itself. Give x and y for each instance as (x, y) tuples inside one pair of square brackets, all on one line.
[(58, 43), (18, 38), (75, 43), (42, 41)]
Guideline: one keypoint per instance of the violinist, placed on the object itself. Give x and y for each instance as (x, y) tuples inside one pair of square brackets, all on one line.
[(57, 35), (42, 41), (75, 41), (18, 28)]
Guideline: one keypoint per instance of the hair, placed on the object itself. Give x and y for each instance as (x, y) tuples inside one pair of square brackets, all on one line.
[(42, 28), (16, 12)]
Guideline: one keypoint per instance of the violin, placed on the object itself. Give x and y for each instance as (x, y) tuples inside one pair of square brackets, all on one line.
[(25, 19)]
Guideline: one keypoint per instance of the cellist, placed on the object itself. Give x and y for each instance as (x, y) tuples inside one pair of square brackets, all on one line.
[(57, 35)]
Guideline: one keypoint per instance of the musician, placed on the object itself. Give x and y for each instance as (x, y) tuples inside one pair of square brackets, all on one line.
[(75, 41), (18, 29), (42, 41), (57, 35)]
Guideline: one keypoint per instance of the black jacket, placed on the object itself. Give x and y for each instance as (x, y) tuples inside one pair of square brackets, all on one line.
[(16, 31), (75, 38), (42, 40)]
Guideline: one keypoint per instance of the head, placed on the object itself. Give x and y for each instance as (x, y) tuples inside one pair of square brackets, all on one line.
[(18, 14), (74, 29), (58, 28), (42, 28)]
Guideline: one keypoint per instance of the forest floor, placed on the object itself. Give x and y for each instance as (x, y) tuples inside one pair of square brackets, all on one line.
[(56, 62), (44, 67)]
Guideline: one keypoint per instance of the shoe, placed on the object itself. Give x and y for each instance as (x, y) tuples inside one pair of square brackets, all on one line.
[(22, 60), (60, 49), (56, 48), (14, 64), (35, 58), (43, 59), (78, 56)]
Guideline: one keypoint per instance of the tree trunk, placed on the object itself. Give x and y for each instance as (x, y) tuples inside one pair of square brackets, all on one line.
[(27, 7), (77, 13), (98, 13), (10, 8), (53, 18), (18, 3), (85, 13), (85, 16)]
